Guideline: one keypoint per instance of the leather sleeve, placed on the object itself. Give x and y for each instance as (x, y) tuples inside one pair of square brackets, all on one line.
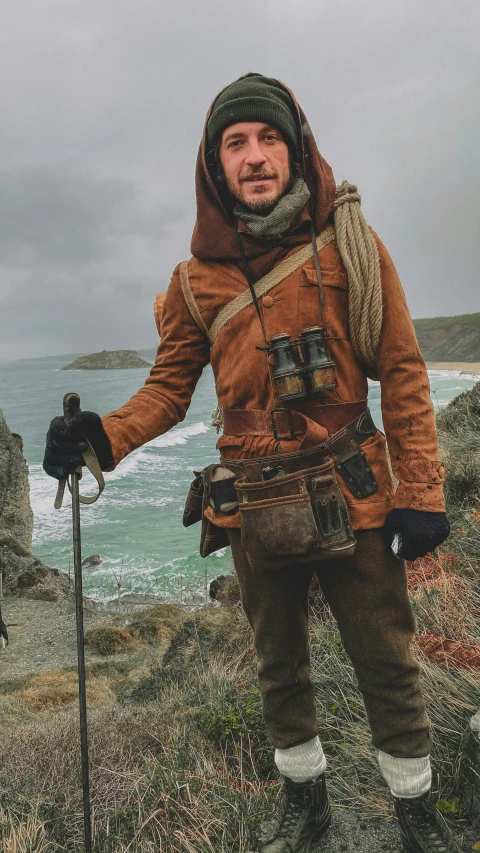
[(407, 410), (164, 399)]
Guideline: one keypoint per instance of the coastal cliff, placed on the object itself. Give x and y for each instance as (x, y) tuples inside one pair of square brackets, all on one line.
[(23, 573), (449, 339)]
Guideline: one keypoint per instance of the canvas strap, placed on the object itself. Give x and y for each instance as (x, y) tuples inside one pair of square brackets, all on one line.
[(262, 286)]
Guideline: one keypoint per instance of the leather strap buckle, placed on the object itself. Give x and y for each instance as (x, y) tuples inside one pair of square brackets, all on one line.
[(291, 434)]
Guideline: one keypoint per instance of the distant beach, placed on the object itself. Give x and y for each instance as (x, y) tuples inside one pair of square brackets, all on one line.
[(470, 367)]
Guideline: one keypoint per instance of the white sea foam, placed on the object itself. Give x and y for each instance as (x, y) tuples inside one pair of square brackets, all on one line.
[(179, 435), (127, 466), (51, 524)]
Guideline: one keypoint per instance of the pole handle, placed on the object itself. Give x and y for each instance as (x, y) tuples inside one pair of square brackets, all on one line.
[(71, 406)]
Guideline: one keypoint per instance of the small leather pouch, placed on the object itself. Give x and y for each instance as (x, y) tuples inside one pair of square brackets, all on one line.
[(199, 497), (212, 538), (296, 518)]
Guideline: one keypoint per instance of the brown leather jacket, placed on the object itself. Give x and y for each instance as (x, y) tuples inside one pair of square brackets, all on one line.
[(241, 370)]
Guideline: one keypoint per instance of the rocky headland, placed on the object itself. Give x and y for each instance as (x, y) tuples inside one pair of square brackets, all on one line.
[(120, 359)]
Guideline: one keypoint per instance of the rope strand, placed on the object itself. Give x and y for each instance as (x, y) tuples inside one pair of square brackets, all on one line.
[(360, 258)]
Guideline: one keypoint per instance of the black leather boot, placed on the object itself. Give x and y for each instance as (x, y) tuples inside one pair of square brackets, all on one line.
[(304, 816), (423, 828)]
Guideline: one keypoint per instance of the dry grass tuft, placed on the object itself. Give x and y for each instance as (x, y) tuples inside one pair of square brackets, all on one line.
[(55, 689), (152, 627), (22, 836), (193, 771)]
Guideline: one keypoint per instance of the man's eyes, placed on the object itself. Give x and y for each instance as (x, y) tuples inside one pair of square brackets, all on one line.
[(269, 137)]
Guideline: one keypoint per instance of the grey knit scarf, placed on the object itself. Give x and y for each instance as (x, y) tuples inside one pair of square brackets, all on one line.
[(274, 225)]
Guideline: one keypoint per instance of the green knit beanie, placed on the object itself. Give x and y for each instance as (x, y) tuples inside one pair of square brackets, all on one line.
[(254, 98)]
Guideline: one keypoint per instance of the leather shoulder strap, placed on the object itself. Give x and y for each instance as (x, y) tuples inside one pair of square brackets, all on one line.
[(262, 286), (190, 299), (274, 277)]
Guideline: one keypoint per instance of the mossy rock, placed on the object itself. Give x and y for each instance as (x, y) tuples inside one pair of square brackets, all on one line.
[(108, 640), (32, 578), (158, 624), (225, 589)]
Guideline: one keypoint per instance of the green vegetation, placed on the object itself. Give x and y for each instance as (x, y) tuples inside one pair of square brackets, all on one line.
[(442, 322), (459, 437)]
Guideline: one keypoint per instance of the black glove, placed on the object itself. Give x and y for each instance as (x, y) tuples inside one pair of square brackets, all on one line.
[(66, 443), (420, 532)]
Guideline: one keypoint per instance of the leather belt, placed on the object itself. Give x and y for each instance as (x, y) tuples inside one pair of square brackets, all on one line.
[(345, 447), (286, 424)]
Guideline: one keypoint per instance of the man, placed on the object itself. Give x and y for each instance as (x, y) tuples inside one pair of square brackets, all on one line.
[(263, 194)]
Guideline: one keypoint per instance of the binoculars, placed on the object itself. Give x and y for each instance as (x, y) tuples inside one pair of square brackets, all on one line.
[(302, 367)]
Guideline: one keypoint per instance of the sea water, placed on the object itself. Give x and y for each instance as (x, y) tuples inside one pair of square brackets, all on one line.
[(136, 526)]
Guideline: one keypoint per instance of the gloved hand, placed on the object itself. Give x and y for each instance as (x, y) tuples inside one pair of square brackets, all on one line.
[(66, 442), (420, 532)]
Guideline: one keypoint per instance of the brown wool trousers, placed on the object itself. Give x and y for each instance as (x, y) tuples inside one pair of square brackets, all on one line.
[(367, 594)]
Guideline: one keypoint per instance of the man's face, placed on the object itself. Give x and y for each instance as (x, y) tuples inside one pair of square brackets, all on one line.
[(256, 162)]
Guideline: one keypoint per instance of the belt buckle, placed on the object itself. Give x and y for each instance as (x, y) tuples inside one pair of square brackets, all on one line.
[(278, 437)]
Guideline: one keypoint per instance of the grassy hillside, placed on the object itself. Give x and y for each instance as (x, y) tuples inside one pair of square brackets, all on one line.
[(449, 338), (180, 759)]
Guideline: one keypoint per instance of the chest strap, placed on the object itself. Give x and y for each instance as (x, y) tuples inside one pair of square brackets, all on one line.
[(262, 286)]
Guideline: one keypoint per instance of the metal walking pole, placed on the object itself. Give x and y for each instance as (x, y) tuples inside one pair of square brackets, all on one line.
[(71, 405)]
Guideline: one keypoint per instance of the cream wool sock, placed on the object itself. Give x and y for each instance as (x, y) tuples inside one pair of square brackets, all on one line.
[(302, 763), (406, 777)]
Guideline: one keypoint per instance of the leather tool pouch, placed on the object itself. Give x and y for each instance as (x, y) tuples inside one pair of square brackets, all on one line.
[(294, 518), (212, 538), (193, 504)]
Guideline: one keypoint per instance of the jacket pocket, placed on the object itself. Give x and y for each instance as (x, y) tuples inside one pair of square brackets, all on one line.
[(335, 291)]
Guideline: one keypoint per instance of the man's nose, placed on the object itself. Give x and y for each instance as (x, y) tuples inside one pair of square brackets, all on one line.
[(255, 155)]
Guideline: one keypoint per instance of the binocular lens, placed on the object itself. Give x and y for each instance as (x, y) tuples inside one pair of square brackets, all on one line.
[(289, 380), (319, 368), (317, 374)]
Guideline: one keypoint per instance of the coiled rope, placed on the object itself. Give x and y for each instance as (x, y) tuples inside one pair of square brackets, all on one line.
[(360, 258)]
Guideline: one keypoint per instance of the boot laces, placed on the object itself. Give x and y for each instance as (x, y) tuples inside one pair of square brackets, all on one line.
[(425, 814), (293, 804)]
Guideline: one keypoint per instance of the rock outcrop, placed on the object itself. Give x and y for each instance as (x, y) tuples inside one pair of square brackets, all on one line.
[(120, 359), (23, 574)]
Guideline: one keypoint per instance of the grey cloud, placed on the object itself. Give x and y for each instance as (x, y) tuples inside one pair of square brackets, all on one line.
[(102, 111), (55, 215)]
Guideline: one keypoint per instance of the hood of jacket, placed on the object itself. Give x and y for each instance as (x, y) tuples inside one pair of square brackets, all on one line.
[(214, 235)]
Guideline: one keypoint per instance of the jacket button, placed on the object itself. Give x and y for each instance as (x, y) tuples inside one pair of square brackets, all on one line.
[(267, 301)]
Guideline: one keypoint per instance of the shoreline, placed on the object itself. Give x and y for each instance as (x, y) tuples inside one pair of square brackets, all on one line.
[(470, 367)]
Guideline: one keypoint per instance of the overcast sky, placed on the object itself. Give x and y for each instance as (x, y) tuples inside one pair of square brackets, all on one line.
[(102, 108)]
